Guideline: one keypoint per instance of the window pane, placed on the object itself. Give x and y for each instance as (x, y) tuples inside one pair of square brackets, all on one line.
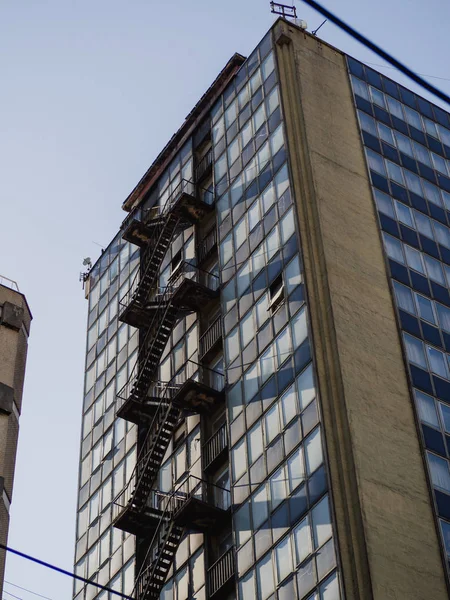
[(247, 329), (423, 224), (299, 330), (264, 573), (329, 590), (425, 308), (432, 193), (393, 248), (313, 450), (442, 234), (384, 203), (296, 470), (232, 345), (445, 414), (414, 259), (375, 161), (414, 350), (438, 362), (404, 144), (293, 276), (272, 423), (404, 214), (367, 123), (226, 250), (260, 507), (440, 475), (445, 527), (321, 521), (395, 172), (303, 542), (283, 557), (247, 586), (239, 459), (255, 443), (278, 487), (289, 405), (404, 298), (360, 87), (444, 316), (386, 134), (251, 383), (434, 269), (305, 386), (287, 226)]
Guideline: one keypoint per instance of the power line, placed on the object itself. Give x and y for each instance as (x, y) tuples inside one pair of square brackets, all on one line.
[(377, 50), (395, 69), (63, 572), (26, 590), (5, 592)]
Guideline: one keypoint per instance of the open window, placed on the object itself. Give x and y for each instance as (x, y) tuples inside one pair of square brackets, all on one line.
[(276, 294), (175, 264)]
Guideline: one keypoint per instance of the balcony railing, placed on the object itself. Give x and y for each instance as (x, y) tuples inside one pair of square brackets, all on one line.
[(166, 391), (195, 505), (221, 572), (211, 337), (215, 447), (208, 243), (185, 186), (204, 165), (186, 271)]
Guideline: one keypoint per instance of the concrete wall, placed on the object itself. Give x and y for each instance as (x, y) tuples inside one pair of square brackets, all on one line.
[(386, 532), (15, 318)]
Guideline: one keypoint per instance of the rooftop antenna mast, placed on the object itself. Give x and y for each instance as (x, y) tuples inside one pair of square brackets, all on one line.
[(284, 10), (287, 12)]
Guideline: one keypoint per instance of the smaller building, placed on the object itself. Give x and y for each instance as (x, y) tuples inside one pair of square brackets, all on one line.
[(15, 319)]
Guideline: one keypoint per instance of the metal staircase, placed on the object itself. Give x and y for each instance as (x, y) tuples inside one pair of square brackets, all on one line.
[(182, 209), (139, 508), (193, 506), (183, 394)]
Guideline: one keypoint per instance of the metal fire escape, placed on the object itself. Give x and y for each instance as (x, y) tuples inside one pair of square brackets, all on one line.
[(139, 509)]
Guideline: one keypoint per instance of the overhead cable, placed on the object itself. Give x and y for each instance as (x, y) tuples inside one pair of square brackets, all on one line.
[(64, 572), (26, 590), (377, 50)]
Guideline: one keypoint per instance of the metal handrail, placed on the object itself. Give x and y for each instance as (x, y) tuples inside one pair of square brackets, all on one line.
[(207, 244), (211, 336), (215, 445), (147, 214), (221, 571), (204, 164), (9, 283)]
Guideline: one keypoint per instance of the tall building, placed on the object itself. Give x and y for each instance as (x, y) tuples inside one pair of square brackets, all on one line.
[(267, 399), (15, 320)]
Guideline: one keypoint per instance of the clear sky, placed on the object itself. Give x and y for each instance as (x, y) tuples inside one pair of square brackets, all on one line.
[(91, 91)]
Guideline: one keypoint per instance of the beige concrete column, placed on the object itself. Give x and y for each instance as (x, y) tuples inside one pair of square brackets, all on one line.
[(387, 538)]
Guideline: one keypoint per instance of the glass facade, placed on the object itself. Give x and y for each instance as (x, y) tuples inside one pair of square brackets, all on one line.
[(275, 536), (104, 554), (407, 145), (282, 526)]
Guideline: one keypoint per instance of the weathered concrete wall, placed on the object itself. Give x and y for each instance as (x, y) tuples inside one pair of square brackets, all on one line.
[(15, 319), (387, 537)]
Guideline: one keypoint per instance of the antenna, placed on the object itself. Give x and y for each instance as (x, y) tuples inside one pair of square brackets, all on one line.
[(288, 12), (284, 10), (316, 30), (84, 275)]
